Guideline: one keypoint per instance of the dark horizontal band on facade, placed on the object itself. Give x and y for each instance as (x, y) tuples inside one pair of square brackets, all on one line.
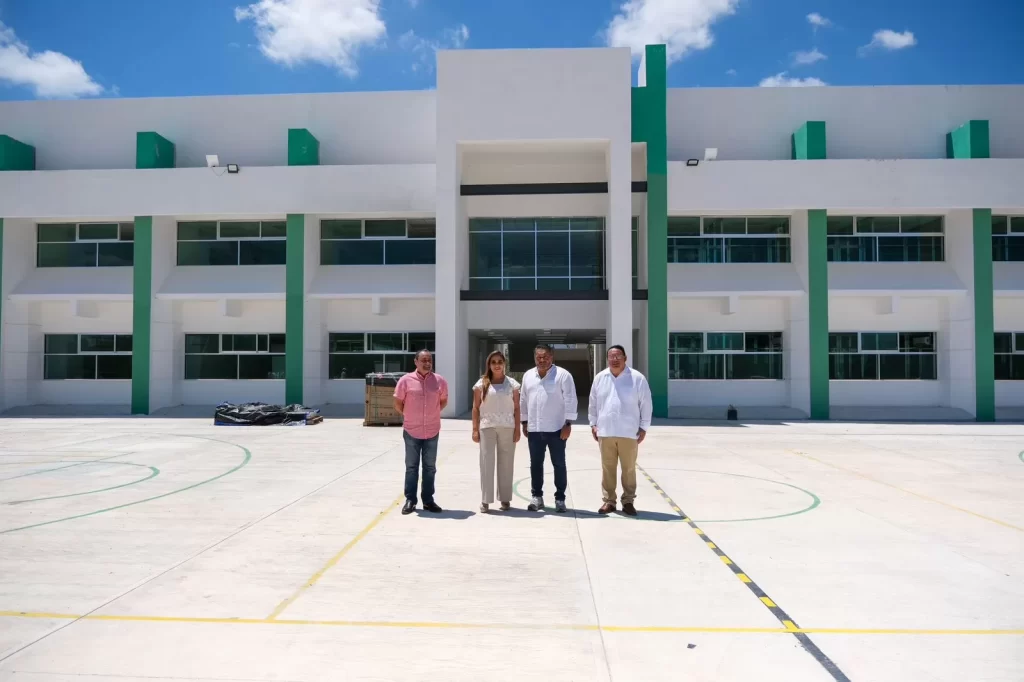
[(527, 295), (545, 188)]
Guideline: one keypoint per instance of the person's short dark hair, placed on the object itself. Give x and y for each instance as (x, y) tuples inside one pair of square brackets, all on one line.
[(544, 347), (422, 351), (619, 348)]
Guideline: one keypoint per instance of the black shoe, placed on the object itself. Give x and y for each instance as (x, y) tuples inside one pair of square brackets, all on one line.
[(409, 507), (432, 507), (628, 509)]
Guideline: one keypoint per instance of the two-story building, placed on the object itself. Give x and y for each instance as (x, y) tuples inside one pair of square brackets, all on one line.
[(811, 252)]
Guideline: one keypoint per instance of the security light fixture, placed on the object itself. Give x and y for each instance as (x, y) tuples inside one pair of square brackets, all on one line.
[(692, 162), (212, 161), (232, 168), (711, 153)]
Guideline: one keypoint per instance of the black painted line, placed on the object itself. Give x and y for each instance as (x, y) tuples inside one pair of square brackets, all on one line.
[(523, 188), (777, 611)]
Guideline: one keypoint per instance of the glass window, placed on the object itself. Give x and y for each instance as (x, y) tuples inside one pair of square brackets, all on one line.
[(113, 366), (262, 252), (879, 342), (728, 355), (384, 228), (766, 342), (518, 255), (883, 356), (553, 225), (422, 341), (553, 254), (235, 242), (341, 229), (898, 366), (683, 227), (875, 225), (760, 239), (692, 342), (917, 342), (768, 225), (352, 252), (842, 343), (586, 224), (751, 366), (69, 367), (485, 255), (915, 224), (211, 367), (688, 366), (422, 228), (485, 224), (117, 254), (1017, 224), (840, 224), (87, 356), (252, 367), (197, 230), (239, 343), (853, 367), (586, 254), (60, 343), (208, 253), (202, 343), (354, 366), (273, 229), (387, 342), (345, 343), (97, 343), (123, 343), (1000, 224), (409, 252), (63, 232), (97, 231), (234, 356), (66, 255), (127, 232), (240, 230), (1009, 352), (277, 343), (725, 341)]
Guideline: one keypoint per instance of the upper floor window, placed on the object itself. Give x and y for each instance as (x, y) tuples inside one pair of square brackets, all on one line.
[(885, 239), (237, 242), (725, 355), (354, 355), (1008, 238), (728, 240), (635, 238), (85, 245), (871, 356), (536, 254), (234, 356), (87, 356), (1009, 356), (378, 242)]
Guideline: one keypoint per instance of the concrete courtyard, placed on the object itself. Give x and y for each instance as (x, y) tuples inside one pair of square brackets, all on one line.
[(169, 549)]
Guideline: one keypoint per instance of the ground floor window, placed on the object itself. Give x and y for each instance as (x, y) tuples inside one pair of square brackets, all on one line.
[(881, 356), (725, 355), (87, 356), (234, 356), (353, 355), (1009, 356)]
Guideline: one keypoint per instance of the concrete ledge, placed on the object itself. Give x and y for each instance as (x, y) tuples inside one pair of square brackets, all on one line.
[(899, 414), (753, 413)]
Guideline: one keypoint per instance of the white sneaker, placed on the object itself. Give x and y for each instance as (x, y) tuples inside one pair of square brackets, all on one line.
[(536, 504)]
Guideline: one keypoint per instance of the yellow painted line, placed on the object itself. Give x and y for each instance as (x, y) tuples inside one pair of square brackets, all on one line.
[(333, 561), (790, 626), (712, 545), (686, 519), (699, 531), (743, 578), (726, 560), (909, 492), (768, 602), (676, 508)]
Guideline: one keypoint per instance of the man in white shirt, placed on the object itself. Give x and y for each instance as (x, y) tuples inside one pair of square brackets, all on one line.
[(547, 409), (619, 414)]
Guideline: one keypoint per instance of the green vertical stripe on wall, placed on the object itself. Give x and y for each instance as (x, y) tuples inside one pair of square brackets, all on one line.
[(817, 310), (142, 312), (984, 318), (653, 109), (295, 294)]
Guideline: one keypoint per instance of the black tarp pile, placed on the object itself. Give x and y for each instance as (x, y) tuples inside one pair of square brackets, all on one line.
[(262, 414)]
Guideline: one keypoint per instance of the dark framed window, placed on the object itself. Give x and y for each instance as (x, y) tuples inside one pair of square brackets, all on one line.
[(725, 356), (378, 242), (763, 239), (87, 356), (85, 245), (1009, 347), (882, 356), (870, 239), (353, 355), (634, 235), (235, 356), (1008, 238), (536, 254), (236, 242)]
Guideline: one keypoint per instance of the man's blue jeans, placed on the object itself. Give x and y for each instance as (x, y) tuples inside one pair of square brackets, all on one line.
[(415, 450), (554, 444)]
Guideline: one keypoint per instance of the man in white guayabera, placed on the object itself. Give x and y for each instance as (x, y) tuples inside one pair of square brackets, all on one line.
[(619, 415), (547, 408)]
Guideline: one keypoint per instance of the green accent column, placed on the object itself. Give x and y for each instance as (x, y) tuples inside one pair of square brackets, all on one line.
[(808, 142), (1, 278), (303, 148), (295, 298), (649, 124), (984, 319), (969, 141), (142, 312), (153, 151), (16, 156), (817, 310)]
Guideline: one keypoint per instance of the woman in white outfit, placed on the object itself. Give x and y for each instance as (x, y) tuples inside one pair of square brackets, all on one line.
[(496, 429)]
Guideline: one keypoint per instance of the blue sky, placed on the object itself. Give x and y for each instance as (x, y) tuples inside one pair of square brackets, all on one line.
[(145, 48)]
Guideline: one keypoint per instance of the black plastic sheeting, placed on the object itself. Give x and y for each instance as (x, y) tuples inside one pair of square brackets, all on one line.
[(262, 414)]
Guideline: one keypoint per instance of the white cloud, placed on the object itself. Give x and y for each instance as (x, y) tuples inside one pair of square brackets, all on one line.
[(424, 49), (730, 72), (886, 39), (683, 25), (781, 80), (48, 74), (818, 21), (808, 57), (329, 32)]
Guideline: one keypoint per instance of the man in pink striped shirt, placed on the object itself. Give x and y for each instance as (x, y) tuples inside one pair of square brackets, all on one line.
[(419, 397)]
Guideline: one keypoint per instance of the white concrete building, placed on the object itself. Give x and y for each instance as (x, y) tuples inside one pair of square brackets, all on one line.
[(536, 195)]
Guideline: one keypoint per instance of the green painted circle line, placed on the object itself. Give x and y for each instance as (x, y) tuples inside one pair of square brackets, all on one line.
[(73, 464), (153, 472), (245, 460), (815, 500), (1021, 455)]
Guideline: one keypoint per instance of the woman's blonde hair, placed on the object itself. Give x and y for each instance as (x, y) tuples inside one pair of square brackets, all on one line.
[(486, 378)]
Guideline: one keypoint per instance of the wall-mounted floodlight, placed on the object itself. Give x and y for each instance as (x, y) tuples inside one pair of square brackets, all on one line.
[(212, 161), (711, 153), (692, 162), (232, 168)]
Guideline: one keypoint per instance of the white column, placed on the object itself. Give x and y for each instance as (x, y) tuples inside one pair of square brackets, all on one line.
[(618, 249), (314, 336), (450, 276), (956, 333), (796, 336), (21, 344), (166, 351)]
